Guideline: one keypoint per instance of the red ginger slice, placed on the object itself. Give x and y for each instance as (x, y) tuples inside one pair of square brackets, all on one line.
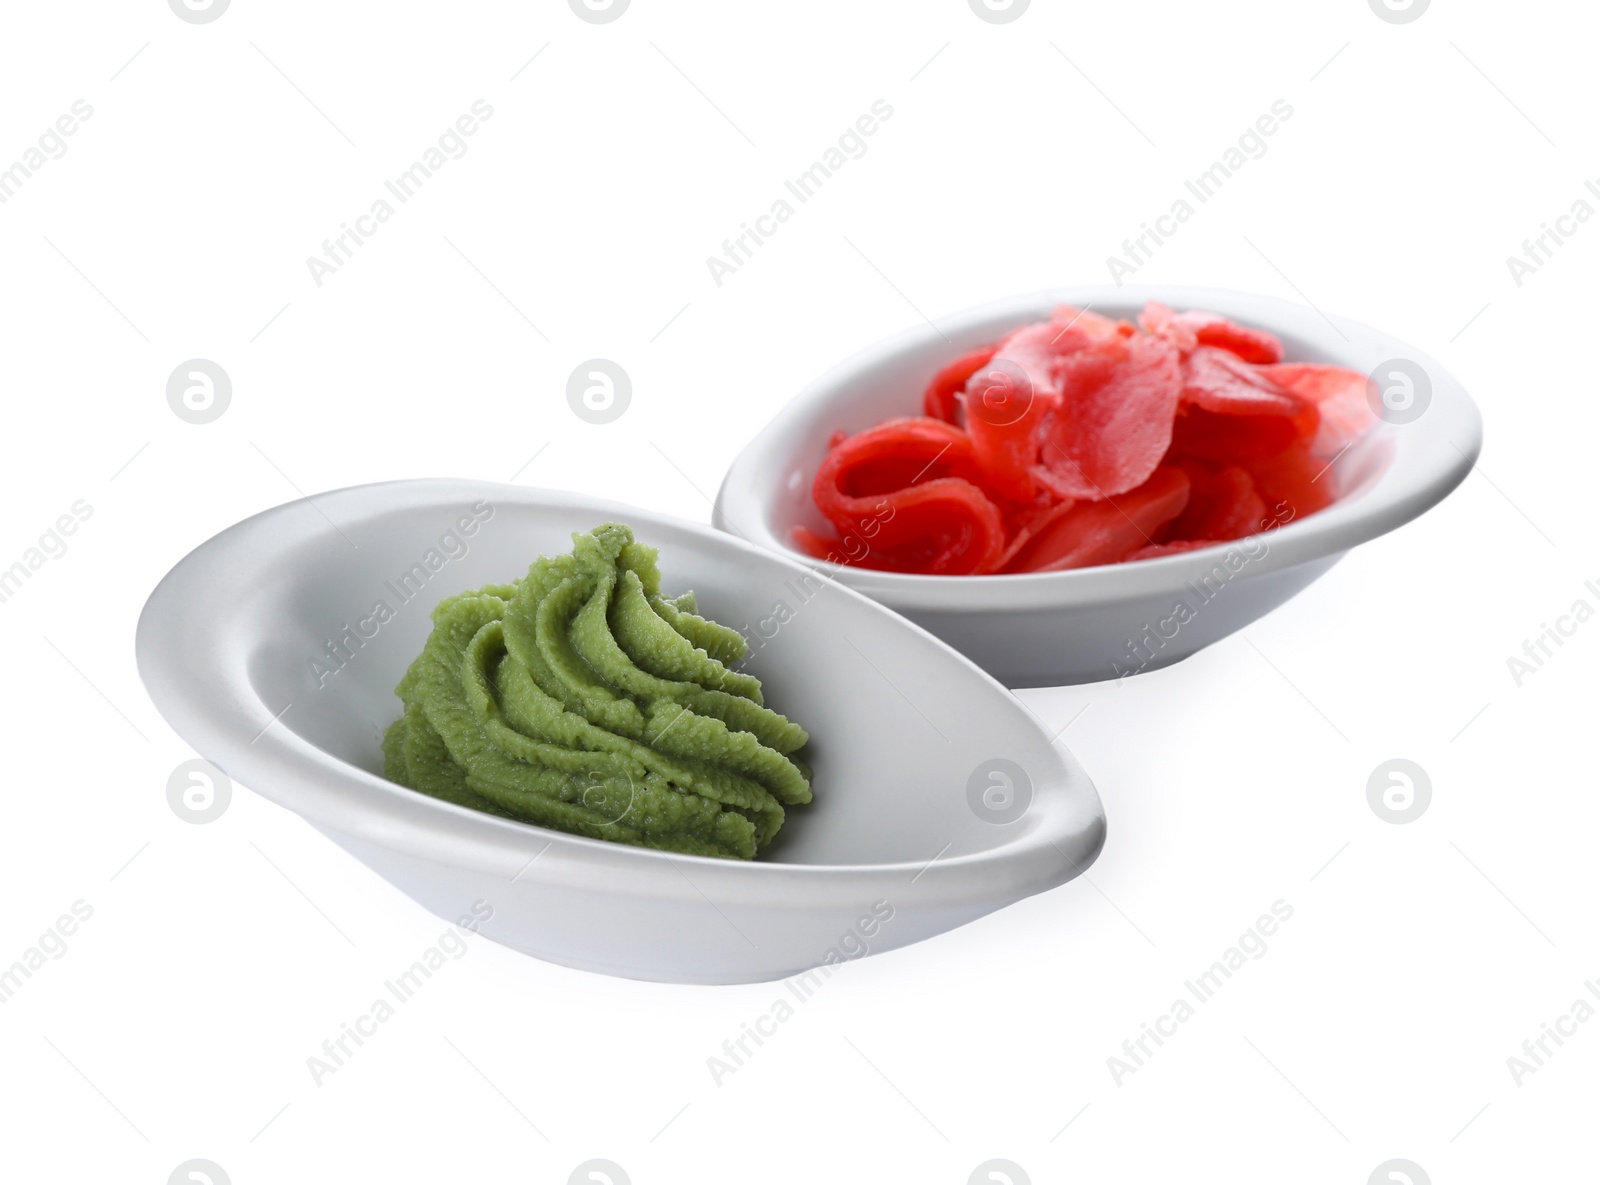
[(1223, 505), (1197, 328), (1092, 533), (1292, 483), (1009, 399), (1217, 381), (904, 498), (940, 400), (1113, 421), (1340, 396), (1160, 321), (1022, 524)]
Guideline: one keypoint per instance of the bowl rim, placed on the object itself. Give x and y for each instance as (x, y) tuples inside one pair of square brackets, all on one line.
[(1420, 473), (215, 708)]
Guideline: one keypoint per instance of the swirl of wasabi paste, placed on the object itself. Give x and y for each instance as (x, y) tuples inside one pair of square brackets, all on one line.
[(580, 698)]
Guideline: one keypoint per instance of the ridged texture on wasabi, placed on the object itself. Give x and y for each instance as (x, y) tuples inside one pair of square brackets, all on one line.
[(580, 698)]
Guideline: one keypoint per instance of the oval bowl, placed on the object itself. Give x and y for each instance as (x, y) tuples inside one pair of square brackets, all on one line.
[(265, 650), (1088, 624)]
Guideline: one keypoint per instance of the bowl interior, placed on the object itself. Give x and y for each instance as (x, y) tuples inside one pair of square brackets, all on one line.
[(327, 605)]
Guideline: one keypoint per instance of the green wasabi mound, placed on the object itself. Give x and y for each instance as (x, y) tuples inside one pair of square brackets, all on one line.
[(580, 698)]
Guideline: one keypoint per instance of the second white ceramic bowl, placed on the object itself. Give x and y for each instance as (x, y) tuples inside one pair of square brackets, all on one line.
[(274, 650), (1044, 629)]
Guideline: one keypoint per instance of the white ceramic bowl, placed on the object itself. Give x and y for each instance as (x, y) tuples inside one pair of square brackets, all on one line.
[(1100, 623), (892, 851)]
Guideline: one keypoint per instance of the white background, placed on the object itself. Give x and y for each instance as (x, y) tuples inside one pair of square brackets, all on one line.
[(1019, 156)]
